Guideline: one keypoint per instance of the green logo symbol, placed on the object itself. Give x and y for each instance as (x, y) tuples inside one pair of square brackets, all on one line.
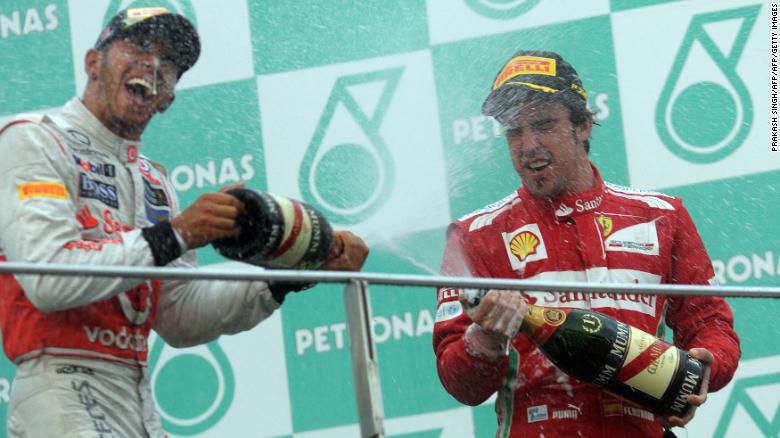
[(182, 7), (740, 398), (705, 119), (347, 170), (501, 9), (193, 391)]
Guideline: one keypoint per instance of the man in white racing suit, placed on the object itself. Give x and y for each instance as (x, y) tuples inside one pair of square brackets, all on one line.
[(76, 190)]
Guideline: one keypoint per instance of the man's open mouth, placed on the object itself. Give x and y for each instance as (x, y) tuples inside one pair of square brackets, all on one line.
[(538, 165), (140, 88)]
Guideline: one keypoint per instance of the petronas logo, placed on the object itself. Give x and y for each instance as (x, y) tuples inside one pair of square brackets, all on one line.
[(768, 421), (705, 111), (194, 389), (183, 7), (347, 170), (502, 9)]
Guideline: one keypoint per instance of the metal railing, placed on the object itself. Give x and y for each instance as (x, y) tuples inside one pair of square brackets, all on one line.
[(357, 304)]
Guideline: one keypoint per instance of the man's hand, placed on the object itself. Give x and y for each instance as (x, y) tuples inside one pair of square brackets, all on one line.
[(500, 312), (212, 216), (349, 252), (695, 400)]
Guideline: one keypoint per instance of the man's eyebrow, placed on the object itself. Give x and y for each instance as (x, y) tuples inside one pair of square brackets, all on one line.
[(543, 121)]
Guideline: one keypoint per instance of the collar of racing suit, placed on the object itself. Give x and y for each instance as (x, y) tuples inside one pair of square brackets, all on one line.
[(564, 207), (79, 116)]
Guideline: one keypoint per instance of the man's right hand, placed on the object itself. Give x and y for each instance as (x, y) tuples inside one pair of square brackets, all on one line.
[(500, 312), (349, 252), (212, 216)]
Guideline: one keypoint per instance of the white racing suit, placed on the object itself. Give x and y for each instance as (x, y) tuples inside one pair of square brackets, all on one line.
[(72, 192)]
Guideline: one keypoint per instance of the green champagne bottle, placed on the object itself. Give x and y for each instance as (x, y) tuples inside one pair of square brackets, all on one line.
[(600, 350)]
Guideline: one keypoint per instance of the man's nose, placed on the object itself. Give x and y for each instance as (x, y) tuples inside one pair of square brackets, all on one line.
[(527, 142)]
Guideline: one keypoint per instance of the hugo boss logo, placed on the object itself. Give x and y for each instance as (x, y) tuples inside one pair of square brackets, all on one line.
[(103, 192)]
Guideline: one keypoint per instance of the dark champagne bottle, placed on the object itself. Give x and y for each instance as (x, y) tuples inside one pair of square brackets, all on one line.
[(598, 349), (278, 232)]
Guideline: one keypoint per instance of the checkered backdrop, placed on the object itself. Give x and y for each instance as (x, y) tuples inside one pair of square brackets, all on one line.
[(369, 110)]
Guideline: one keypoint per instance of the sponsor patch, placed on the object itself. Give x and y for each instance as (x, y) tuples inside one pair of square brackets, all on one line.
[(146, 171), (79, 137), (596, 300), (537, 413), (132, 153), (639, 239), (447, 294), (524, 245), (581, 205), (613, 408), (73, 369), (565, 414), (86, 219), (563, 210), (639, 413), (448, 310), (606, 225), (525, 65), (43, 190), (103, 169), (140, 13), (157, 214), (105, 193), (155, 195)]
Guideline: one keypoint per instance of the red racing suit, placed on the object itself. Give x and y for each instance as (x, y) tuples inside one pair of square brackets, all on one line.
[(609, 234), (72, 192)]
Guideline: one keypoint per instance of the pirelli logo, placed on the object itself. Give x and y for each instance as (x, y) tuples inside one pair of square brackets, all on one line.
[(43, 190), (525, 65), (145, 12)]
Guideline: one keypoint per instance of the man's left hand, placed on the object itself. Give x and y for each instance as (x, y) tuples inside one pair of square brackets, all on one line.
[(695, 400)]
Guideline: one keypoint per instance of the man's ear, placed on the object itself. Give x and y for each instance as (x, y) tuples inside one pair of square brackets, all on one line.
[(163, 106), (92, 64), (583, 129)]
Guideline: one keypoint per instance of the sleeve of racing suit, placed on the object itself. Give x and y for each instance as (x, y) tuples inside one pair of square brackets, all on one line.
[(43, 228), (194, 312), (469, 376), (705, 322)]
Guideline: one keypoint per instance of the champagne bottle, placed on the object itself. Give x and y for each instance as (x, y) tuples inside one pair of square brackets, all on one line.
[(598, 349), (278, 232)]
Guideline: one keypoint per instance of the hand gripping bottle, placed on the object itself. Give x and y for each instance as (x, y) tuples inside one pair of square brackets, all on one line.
[(278, 232), (600, 350)]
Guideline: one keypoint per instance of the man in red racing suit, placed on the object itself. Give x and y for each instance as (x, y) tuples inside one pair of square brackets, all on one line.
[(588, 231)]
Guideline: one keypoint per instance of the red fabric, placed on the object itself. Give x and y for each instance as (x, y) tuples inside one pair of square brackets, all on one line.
[(100, 328), (608, 234)]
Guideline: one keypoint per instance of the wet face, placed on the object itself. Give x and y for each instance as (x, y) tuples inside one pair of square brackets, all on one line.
[(130, 81), (548, 150)]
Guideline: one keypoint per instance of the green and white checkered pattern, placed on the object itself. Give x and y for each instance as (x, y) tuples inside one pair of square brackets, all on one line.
[(370, 111)]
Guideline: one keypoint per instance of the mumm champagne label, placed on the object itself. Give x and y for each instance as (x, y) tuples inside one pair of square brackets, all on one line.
[(650, 363)]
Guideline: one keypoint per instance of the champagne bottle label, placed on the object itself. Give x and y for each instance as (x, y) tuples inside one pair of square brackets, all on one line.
[(639, 360), (296, 237), (650, 365)]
